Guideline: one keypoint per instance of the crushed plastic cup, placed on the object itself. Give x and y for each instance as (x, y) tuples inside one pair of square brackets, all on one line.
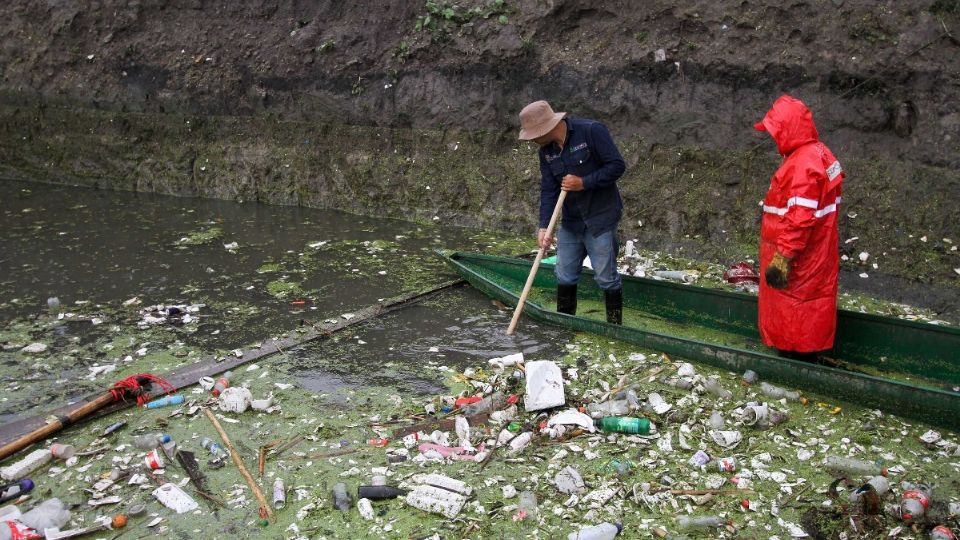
[(753, 414), (727, 464), (154, 459)]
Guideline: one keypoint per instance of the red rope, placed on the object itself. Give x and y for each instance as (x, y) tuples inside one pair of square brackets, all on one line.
[(132, 385)]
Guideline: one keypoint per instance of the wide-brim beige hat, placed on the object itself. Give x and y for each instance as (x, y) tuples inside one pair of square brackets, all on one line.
[(537, 119)]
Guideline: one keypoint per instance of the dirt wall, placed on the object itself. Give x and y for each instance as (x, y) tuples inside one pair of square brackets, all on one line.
[(408, 108)]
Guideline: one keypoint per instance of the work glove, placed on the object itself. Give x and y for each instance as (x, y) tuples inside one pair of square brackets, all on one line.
[(777, 271)]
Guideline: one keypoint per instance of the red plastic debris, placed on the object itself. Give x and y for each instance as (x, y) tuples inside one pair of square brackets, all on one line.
[(379, 443), (460, 402), (740, 273)]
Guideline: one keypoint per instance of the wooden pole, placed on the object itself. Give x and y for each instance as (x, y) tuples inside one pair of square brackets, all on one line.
[(239, 463), (536, 265), (57, 424)]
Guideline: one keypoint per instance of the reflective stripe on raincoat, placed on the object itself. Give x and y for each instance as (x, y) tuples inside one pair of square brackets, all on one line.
[(800, 221)]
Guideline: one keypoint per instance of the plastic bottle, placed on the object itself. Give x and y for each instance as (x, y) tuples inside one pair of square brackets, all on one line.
[(341, 499), (14, 490), (603, 531), (942, 532), (716, 420), (677, 382), (213, 447), (615, 407), (49, 514), (222, 384), (27, 465), (713, 387), (854, 467), (776, 392), (623, 424), (493, 402), (53, 304), (528, 504), (150, 441), (914, 502), (699, 522), (164, 401), (379, 493)]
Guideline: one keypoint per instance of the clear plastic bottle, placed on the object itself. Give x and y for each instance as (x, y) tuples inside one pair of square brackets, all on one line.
[(615, 407), (150, 441), (776, 392), (528, 504), (603, 531), (53, 304), (853, 467), (714, 388), (677, 382), (699, 522), (623, 424), (213, 447), (341, 499), (49, 514), (493, 402)]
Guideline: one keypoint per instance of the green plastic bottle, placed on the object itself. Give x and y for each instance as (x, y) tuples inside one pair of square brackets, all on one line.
[(623, 424)]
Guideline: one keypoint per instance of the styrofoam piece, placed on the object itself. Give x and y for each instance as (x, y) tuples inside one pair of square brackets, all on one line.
[(174, 498), (506, 361), (572, 417), (569, 481), (262, 404), (436, 500), (443, 482), (27, 465), (235, 399), (544, 386), (365, 507), (462, 427)]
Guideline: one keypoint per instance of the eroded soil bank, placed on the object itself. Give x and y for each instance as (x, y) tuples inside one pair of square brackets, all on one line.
[(408, 109)]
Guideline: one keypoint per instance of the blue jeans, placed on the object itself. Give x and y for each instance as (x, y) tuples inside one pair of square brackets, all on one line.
[(572, 248)]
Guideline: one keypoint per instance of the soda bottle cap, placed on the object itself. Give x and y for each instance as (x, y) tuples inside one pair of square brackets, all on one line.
[(26, 485), (884, 471), (619, 527)]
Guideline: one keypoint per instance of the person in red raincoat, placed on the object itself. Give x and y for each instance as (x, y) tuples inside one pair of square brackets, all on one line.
[(799, 237)]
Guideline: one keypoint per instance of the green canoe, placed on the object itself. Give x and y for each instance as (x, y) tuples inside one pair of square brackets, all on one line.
[(898, 366)]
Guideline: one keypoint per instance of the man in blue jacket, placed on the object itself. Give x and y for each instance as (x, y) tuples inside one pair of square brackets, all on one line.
[(578, 156)]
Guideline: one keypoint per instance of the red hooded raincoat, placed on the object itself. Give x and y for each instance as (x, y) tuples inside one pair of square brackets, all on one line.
[(800, 221)]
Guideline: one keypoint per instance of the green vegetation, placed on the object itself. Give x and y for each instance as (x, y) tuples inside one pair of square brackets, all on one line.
[(443, 16), (200, 237)]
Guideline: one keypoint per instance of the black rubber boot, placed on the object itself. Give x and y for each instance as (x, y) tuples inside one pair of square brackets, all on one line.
[(567, 299), (614, 301), (811, 357)]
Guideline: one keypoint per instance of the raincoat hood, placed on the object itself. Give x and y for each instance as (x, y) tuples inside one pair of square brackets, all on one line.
[(790, 123)]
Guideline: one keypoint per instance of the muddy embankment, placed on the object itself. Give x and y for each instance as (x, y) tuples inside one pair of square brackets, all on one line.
[(408, 109)]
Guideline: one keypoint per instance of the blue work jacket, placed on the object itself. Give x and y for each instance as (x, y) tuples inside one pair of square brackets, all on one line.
[(588, 152)]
